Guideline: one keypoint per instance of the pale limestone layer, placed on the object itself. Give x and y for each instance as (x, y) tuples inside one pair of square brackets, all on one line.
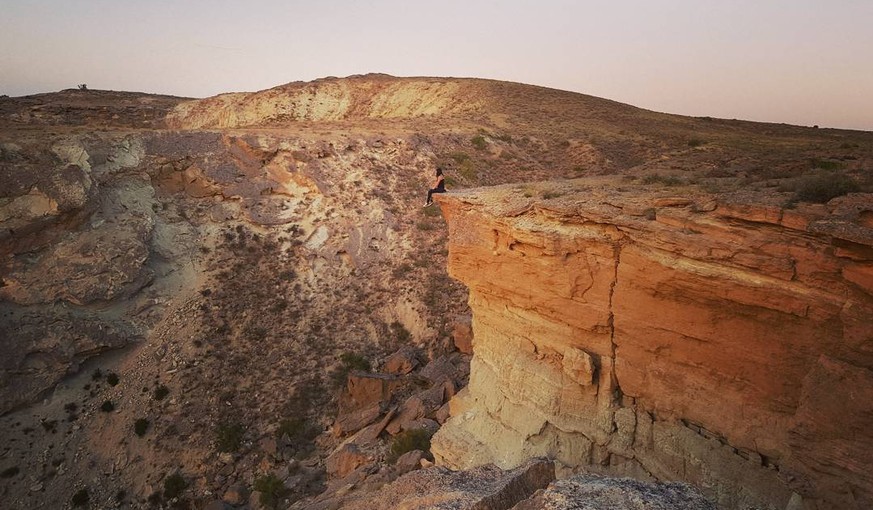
[(692, 338), (329, 99)]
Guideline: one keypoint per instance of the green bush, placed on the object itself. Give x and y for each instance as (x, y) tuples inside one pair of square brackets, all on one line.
[(459, 157), (80, 498), (401, 334), (112, 378), (174, 485), (140, 426), (229, 436), (468, 171), (431, 212), (161, 392), (823, 187), (479, 142), (297, 429), (271, 488), (407, 441), (349, 361), (10, 472), (107, 406), (669, 180), (825, 164), (353, 361)]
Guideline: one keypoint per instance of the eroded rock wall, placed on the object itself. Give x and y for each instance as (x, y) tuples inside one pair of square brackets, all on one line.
[(716, 340)]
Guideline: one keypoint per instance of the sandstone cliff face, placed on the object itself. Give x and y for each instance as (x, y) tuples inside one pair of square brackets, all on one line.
[(692, 338)]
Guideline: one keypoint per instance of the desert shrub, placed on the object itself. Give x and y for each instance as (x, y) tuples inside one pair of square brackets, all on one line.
[(401, 334), (174, 485), (80, 498), (407, 441), (431, 211), (551, 194), (459, 157), (297, 429), (821, 188), (140, 426), (719, 173), (424, 226), (9, 472), (401, 270), (825, 164), (271, 488), (695, 142), (353, 361), (96, 375), (668, 180), (112, 378), (450, 182), (349, 361), (479, 142), (161, 392), (228, 436), (107, 406), (468, 171)]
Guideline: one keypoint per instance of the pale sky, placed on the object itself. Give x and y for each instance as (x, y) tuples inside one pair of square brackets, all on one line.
[(796, 61)]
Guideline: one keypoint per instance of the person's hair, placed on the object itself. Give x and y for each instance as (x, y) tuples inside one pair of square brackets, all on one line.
[(439, 171)]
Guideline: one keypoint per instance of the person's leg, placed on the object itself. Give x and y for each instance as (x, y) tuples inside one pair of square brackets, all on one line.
[(429, 196)]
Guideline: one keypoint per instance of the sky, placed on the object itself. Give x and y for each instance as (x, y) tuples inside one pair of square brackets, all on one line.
[(803, 62)]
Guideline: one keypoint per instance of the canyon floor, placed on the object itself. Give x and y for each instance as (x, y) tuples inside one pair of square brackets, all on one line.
[(187, 284)]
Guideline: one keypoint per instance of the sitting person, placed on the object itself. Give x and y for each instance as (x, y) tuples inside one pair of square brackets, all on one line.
[(439, 187)]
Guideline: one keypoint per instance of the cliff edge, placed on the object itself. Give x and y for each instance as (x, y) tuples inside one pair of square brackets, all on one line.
[(669, 334)]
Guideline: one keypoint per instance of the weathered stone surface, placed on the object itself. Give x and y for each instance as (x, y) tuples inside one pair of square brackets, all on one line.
[(344, 460), (401, 362), (482, 488), (418, 406), (462, 334), (409, 461), (698, 347), (592, 492), (364, 400), (235, 495)]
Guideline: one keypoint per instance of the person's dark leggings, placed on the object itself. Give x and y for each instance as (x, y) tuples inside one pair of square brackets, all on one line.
[(430, 193)]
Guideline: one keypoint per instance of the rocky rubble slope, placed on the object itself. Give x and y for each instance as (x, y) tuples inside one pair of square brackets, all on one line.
[(669, 334), (233, 271)]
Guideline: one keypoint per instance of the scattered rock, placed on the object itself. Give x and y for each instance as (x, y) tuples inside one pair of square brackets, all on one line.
[(409, 461), (482, 488), (401, 362), (235, 495), (593, 492)]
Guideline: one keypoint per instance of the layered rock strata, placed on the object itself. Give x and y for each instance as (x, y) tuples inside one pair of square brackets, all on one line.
[(712, 339)]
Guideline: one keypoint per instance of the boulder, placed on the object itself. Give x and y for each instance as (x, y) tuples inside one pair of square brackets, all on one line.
[(462, 334), (235, 495), (344, 460), (401, 362)]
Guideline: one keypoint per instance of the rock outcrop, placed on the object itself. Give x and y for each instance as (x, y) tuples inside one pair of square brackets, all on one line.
[(716, 340), (592, 492)]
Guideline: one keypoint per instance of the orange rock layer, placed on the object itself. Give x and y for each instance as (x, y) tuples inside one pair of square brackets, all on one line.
[(699, 338)]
